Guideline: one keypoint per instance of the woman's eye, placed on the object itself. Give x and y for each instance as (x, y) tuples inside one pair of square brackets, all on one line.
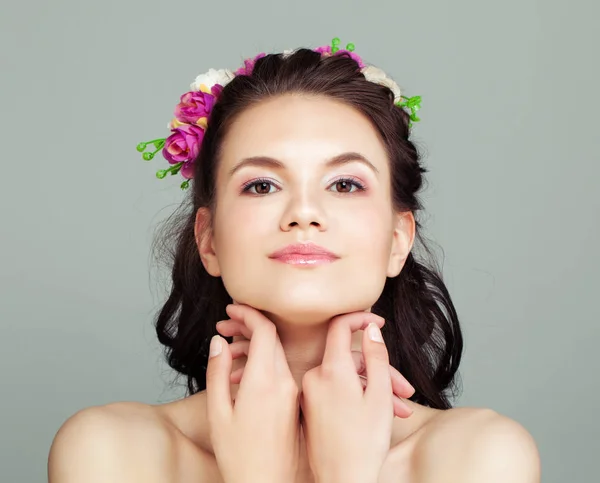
[(344, 185), (261, 187)]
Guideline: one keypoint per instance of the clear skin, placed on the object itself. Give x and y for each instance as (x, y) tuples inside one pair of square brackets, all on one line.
[(347, 208), (359, 226)]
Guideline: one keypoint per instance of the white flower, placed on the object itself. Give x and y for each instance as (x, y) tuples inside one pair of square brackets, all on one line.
[(287, 53), (378, 76), (212, 77)]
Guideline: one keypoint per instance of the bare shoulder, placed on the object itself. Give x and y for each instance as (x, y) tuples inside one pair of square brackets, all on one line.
[(119, 442), (473, 445)]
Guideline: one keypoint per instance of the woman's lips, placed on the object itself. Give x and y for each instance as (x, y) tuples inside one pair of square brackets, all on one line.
[(305, 260), (306, 254)]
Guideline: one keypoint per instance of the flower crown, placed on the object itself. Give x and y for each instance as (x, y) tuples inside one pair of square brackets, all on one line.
[(181, 148)]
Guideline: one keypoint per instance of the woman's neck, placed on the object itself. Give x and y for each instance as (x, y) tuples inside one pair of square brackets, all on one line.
[(303, 344)]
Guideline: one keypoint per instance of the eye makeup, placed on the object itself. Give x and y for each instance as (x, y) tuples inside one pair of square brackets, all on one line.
[(350, 180)]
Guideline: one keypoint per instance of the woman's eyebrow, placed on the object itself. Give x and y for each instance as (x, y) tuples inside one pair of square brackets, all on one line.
[(338, 160)]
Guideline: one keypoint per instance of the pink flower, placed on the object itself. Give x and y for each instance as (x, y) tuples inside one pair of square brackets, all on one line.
[(249, 65), (194, 105), (325, 51), (187, 170), (183, 144), (216, 90), (354, 56)]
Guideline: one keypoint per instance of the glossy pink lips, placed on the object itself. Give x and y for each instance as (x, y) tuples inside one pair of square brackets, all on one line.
[(305, 254)]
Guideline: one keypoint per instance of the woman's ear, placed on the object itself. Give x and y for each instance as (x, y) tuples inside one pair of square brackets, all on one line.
[(403, 238), (205, 242)]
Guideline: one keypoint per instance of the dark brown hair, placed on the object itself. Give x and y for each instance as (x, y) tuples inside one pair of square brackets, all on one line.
[(422, 330)]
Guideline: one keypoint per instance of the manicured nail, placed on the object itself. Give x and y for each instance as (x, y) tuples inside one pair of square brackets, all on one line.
[(374, 332), (215, 346)]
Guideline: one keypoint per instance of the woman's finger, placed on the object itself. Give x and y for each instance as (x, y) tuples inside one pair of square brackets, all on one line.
[(359, 362), (401, 409), (269, 352), (236, 376), (339, 335), (239, 348), (377, 363), (400, 386), (230, 328), (218, 370), (262, 335)]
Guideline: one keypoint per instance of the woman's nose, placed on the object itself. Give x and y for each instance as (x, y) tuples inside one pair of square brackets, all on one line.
[(304, 211)]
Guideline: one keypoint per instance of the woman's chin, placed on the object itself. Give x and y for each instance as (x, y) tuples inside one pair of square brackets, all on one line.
[(306, 313)]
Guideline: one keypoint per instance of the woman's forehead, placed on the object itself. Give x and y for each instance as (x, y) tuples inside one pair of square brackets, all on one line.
[(291, 127)]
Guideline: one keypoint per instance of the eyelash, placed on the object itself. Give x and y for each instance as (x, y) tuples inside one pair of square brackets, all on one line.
[(349, 179)]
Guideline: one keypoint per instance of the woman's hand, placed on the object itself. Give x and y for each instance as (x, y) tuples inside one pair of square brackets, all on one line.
[(401, 388), (347, 427), (257, 437)]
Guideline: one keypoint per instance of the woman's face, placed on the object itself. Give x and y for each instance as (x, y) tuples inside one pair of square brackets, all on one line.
[(297, 196)]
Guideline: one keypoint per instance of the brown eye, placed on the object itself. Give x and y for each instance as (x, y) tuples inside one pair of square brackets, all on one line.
[(262, 188), (259, 187), (343, 186)]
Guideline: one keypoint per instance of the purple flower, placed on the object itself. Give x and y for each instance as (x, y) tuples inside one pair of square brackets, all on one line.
[(354, 56), (187, 170), (183, 144), (216, 90), (194, 105), (326, 49), (249, 65)]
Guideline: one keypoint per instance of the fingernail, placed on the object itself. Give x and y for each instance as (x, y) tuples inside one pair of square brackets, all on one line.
[(374, 332), (215, 346)]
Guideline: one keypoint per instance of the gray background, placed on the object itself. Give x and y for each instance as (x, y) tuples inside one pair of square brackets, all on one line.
[(509, 131)]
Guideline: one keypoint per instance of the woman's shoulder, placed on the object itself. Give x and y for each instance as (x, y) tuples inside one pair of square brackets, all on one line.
[(122, 441), (475, 444)]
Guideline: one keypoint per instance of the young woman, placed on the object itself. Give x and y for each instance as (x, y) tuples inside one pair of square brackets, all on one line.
[(297, 245)]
